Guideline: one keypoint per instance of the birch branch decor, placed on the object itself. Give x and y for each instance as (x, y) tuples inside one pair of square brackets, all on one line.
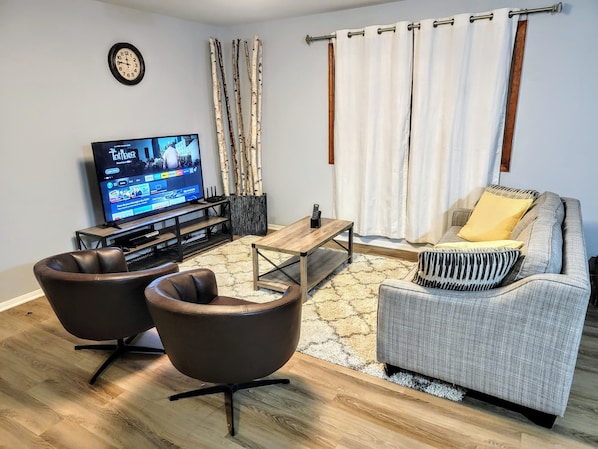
[(246, 181), (253, 122), (245, 150), (217, 94), (258, 147), (233, 144)]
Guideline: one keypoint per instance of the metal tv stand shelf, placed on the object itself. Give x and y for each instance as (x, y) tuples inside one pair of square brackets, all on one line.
[(166, 236)]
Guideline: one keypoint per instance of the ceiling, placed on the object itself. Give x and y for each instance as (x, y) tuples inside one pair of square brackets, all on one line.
[(236, 12)]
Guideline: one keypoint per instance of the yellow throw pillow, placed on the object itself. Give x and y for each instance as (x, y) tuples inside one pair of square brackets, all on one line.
[(494, 217), (483, 244)]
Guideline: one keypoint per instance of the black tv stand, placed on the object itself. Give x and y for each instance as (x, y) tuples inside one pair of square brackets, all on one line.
[(166, 236)]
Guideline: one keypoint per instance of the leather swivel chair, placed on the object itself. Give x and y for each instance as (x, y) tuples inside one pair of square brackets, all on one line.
[(221, 340), (95, 297)]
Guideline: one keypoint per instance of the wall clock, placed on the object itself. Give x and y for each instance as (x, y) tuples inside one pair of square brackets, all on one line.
[(126, 63)]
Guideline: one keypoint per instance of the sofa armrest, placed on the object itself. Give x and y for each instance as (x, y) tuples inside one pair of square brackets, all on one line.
[(518, 342), (460, 216)]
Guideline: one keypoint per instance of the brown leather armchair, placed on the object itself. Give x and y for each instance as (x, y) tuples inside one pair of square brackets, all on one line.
[(222, 340), (95, 297)]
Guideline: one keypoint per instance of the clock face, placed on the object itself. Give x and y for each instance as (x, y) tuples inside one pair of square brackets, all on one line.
[(126, 63)]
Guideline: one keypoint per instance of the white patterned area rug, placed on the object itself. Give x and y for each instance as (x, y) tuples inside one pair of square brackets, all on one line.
[(339, 316)]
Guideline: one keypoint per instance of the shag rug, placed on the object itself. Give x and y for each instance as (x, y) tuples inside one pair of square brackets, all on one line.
[(339, 316)]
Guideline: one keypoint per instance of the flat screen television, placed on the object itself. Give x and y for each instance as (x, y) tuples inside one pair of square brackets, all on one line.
[(140, 177)]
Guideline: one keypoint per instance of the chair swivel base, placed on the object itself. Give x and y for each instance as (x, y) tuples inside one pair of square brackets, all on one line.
[(228, 390), (121, 347)]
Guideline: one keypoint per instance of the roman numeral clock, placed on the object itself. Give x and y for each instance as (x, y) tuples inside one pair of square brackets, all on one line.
[(126, 63)]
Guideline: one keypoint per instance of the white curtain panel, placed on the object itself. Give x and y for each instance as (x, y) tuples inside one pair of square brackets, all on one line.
[(373, 100), (460, 83)]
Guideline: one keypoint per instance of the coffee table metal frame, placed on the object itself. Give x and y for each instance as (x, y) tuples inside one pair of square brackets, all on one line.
[(309, 262)]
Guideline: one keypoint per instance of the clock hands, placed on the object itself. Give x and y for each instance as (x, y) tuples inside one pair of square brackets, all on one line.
[(127, 63)]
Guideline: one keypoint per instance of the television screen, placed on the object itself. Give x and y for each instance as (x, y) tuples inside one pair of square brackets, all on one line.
[(138, 177)]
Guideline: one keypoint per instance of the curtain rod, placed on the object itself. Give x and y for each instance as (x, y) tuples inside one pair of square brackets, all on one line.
[(556, 8)]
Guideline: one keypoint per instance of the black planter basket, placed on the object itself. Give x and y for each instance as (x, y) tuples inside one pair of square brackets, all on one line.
[(249, 214)]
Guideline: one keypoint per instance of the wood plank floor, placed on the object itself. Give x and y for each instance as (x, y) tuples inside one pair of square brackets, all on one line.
[(46, 402)]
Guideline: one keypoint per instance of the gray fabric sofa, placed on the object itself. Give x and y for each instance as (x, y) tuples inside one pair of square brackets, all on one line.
[(517, 342)]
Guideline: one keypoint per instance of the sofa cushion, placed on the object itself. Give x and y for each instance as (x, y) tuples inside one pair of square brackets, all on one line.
[(546, 205), (540, 230), (494, 217), (464, 269), (451, 235)]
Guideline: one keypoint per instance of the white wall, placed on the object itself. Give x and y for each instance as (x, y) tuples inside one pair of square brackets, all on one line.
[(57, 95)]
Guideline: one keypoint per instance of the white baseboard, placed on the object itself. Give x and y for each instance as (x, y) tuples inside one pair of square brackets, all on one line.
[(9, 304)]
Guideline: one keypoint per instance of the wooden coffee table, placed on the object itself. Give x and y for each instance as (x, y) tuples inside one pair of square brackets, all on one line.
[(308, 262)]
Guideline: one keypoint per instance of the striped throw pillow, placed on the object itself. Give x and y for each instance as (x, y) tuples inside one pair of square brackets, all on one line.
[(511, 192), (471, 269)]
